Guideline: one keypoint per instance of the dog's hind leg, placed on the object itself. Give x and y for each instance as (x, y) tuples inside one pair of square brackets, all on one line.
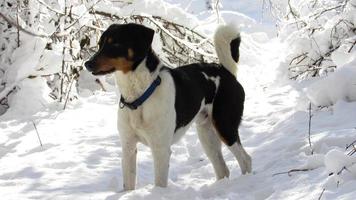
[(242, 157), (231, 138), (212, 147), (226, 116)]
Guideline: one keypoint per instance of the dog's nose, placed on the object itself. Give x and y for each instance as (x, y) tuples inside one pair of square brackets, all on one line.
[(89, 65)]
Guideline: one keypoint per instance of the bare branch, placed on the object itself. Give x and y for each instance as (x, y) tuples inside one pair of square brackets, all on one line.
[(4, 95), (317, 15)]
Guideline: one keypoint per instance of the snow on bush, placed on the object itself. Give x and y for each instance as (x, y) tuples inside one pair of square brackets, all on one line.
[(320, 38), (340, 85), (333, 144), (320, 41), (314, 30), (52, 39), (341, 168), (335, 161), (48, 51)]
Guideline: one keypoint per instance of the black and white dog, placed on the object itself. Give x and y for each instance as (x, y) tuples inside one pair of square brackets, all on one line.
[(158, 104)]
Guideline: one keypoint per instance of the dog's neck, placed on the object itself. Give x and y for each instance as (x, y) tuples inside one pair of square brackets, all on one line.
[(134, 83)]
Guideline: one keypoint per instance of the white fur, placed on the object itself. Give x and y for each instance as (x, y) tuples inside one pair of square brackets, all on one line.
[(242, 157), (211, 144), (133, 83), (224, 34)]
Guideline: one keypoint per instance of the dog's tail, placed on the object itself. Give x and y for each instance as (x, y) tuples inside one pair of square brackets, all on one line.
[(227, 42)]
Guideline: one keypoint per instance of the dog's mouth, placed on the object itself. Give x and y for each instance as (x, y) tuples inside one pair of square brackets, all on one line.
[(99, 73)]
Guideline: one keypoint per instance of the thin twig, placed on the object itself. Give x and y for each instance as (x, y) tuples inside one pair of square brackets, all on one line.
[(303, 55), (317, 15), (17, 21), (62, 74), (309, 128), (291, 171), (322, 192), (351, 144), (63, 61), (31, 76), (352, 46), (38, 135), (4, 95), (292, 11), (100, 84), (353, 150), (68, 91), (77, 20)]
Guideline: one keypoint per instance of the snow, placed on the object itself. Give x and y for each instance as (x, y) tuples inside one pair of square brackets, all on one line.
[(325, 92), (80, 156), (335, 160)]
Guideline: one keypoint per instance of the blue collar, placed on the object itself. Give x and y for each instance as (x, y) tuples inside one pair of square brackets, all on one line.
[(139, 101)]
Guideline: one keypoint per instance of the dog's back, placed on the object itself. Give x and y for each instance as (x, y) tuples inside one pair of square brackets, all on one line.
[(212, 85)]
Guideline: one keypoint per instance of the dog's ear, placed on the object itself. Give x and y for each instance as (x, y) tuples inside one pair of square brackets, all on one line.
[(144, 36)]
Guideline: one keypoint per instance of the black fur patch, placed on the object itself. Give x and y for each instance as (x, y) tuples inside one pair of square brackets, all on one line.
[(228, 108), (234, 48), (189, 84), (192, 87), (152, 61)]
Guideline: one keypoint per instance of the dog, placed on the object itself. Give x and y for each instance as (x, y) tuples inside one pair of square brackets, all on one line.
[(158, 103)]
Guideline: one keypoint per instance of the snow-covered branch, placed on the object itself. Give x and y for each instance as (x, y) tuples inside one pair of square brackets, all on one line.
[(10, 21), (178, 40), (315, 33), (69, 33)]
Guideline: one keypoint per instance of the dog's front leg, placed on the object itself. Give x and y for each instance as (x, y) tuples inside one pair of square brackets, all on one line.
[(161, 156), (129, 154)]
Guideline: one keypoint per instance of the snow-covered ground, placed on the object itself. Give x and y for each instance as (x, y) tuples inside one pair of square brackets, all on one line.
[(80, 156)]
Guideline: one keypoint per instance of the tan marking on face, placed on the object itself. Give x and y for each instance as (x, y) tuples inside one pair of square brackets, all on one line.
[(130, 53), (108, 64), (109, 40)]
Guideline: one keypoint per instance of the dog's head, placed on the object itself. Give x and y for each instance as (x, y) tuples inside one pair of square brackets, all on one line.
[(122, 47)]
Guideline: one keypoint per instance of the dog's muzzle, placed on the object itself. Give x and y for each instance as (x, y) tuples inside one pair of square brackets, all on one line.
[(90, 66)]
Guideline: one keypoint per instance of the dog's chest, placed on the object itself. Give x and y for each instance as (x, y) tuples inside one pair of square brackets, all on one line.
[(136, 120), (152, 120)]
